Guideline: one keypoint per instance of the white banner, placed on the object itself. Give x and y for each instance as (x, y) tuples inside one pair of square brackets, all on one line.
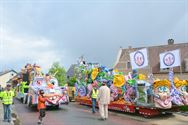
[(170, 59), (139, 59)]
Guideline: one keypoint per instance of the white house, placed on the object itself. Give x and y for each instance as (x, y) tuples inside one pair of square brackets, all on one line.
[(6, 76)]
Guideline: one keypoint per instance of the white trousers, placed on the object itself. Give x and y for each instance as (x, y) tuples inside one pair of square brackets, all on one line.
[(103, 110)]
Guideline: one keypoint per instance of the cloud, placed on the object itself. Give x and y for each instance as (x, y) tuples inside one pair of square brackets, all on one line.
[(23, 49)]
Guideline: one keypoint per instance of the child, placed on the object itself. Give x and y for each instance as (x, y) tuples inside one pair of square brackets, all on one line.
[(41, 105)]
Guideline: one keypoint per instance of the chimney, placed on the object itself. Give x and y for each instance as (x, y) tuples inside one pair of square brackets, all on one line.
[(170, 41), (130, 47)]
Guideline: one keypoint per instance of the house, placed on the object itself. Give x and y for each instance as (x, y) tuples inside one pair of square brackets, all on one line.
[(123, 63), (5, 77), (71, 71)]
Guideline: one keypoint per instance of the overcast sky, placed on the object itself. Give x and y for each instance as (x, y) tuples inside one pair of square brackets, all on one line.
[(44, 31)]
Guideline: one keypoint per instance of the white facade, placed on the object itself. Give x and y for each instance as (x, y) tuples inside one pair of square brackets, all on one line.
[(5, 77)]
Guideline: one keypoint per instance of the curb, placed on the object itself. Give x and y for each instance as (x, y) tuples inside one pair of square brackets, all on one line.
[(15, 117)]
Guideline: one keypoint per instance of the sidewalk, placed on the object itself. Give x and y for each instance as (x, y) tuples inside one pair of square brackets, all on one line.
[(1, 115)]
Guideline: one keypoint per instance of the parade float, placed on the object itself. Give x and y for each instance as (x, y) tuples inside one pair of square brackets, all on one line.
[(131, 93), (33, 81)]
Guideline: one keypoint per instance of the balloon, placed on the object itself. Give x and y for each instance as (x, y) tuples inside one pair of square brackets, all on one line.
[(141, 77), (131, 82), (119, 80), (94, 73)]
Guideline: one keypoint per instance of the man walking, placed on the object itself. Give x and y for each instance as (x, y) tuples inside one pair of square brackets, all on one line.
[(94, 94), (7, 97), (103, 100)]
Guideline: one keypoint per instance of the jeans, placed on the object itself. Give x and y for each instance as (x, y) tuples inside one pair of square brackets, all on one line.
[(7, 112), (94, 101), (42, 113)]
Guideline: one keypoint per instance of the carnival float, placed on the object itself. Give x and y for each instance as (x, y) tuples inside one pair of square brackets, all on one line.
[(32, 80), (132, 93)]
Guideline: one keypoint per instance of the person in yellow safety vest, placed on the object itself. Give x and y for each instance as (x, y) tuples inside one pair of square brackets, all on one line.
[(7, 100), (94, 94)]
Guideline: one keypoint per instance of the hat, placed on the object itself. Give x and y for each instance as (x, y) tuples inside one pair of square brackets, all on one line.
[(104, 81), (8, 85)]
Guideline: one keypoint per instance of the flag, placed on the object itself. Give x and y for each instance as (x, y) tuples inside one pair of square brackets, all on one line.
[(170, 59), (139, 59)]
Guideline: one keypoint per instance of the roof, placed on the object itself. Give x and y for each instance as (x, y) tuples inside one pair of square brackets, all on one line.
[(70, 71), (166, 45), (7, 71), (153, 57)]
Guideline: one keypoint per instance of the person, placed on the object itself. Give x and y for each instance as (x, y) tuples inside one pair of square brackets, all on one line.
[(94, 94), (0, 88), (103, 100), (41, 106), (7, 100)]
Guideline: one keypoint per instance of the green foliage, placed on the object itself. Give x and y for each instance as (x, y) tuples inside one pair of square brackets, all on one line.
[(58, 72), (71, 81)]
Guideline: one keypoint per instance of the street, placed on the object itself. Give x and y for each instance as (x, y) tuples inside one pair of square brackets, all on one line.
[(74, 114)]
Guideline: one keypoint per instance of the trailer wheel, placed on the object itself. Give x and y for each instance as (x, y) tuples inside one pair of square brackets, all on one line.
[(146, 116), (57, 106)]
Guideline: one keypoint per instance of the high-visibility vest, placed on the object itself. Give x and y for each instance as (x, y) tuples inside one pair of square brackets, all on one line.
[(7, 97), (94, 93)]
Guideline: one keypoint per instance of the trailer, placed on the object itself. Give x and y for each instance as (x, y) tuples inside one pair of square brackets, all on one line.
[(132, 92), (143, 103)]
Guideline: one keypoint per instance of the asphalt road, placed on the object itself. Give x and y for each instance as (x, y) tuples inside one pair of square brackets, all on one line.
[(75, 114)]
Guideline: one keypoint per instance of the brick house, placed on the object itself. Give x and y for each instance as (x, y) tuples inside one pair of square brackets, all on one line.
[(123, 63)]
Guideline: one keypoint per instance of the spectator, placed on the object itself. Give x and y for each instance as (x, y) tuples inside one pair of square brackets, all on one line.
[(103, 100), (94, 94), (7, 97)]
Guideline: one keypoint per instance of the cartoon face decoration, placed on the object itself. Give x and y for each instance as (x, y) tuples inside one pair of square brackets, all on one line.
[(181, 87), (162, 98), (183, 94), (39, 83), (163, 89), (139, 58), (169, 59)]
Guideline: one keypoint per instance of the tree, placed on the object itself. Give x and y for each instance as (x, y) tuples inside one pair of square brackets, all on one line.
[(58, 72), (72, 81)]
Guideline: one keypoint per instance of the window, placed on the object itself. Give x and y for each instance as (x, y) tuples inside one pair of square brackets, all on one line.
[(164, 70), (128, 65)]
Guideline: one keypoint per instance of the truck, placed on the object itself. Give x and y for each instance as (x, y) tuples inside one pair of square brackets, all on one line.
[(56, 95)]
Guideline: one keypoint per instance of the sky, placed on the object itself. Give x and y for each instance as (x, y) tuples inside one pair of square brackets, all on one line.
[(47, 31)]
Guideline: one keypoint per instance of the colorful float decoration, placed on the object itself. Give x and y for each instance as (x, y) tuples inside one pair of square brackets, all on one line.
[(162, 97), (132, 92), (181, 86), (34, 80)]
